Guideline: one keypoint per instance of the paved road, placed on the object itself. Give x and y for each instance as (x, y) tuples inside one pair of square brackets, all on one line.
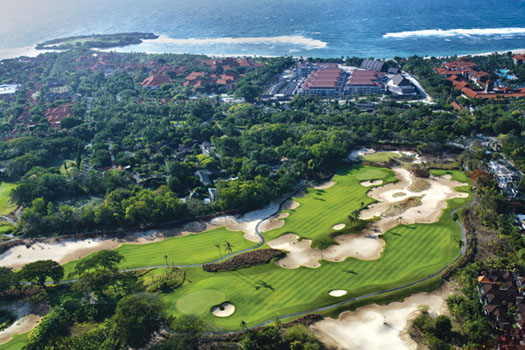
[(335, 305)]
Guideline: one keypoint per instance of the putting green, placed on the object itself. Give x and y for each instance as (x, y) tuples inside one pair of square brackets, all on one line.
[(201, 301), (320, 210)]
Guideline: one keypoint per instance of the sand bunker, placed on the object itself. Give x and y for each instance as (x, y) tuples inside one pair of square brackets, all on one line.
[(371, 183), (337, 293), (223, 310), (365, 329), (25, 321), (300, 252), (325, 185), (354, 155), (274, 222), (70, 250), (368, 246), (433, 201), (339, 227)]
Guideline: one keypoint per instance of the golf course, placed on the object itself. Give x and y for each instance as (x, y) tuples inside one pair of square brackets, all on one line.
[(409, 252), (263, 292)]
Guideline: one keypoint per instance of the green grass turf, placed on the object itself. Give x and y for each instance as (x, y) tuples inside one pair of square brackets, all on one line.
[(185, 250), (6, 206), (200, 302), (18, 341), (263, 292), (320, 210), (380, 156)]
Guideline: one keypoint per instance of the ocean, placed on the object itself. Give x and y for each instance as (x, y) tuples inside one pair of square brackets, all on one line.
[(307, 28)]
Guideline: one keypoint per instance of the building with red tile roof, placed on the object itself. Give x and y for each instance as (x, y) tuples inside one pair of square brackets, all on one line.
[(324, 82), (518, 59), (155, 81), (365, 82), (456, 106)]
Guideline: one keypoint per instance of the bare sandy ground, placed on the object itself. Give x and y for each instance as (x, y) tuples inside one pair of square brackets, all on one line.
[(433, 201), (338, 227), (66, 251), (300, 252), (337, 293), (365, 329), (368, 246), (25, 321), (371, 183), (227, 310), (324, 186), (354, 155)]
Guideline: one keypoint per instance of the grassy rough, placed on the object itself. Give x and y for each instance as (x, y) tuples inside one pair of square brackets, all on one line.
[(398, 208), (380, 156), (6, 206)]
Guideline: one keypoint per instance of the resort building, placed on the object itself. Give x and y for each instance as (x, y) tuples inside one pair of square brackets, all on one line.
[(303, 70), (365, 82), (156, 81), (401, 86), (378, 66), (324, 82), (8, 90), (502, 293), (518, 59)]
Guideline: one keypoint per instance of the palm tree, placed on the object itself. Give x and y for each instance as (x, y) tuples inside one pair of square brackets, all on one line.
[(166, 259), (228, 247), (243, 325), (400, 220)]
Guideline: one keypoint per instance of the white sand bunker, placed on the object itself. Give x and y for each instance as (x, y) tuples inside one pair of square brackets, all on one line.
[(371, 183), (368, 246), (337, 293), (224, 310), (365, 329), (354, 155), (70, 250), (433, 201), (325, 185), (339, 227), (300, 252)]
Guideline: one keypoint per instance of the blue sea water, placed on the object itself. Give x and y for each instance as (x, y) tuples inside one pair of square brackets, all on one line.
[(308, 28)]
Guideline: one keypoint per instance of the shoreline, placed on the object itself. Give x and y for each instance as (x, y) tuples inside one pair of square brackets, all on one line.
[(32, 51)]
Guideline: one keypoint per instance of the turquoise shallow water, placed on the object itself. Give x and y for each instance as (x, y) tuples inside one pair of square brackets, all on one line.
[(321, 28)]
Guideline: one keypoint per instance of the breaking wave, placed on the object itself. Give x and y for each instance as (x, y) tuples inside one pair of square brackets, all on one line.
[(457, 32), (298, 40)]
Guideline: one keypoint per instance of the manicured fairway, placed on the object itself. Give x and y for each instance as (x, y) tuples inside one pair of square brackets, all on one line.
[(263, 292), (380, 156), (6, 206), (16, 343), (190, 249), (320, 210)]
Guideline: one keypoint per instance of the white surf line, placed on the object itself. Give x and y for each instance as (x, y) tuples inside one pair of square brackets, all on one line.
[(510, 31)]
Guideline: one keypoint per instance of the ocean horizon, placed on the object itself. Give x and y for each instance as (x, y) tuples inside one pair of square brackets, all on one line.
[(307, 28)]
